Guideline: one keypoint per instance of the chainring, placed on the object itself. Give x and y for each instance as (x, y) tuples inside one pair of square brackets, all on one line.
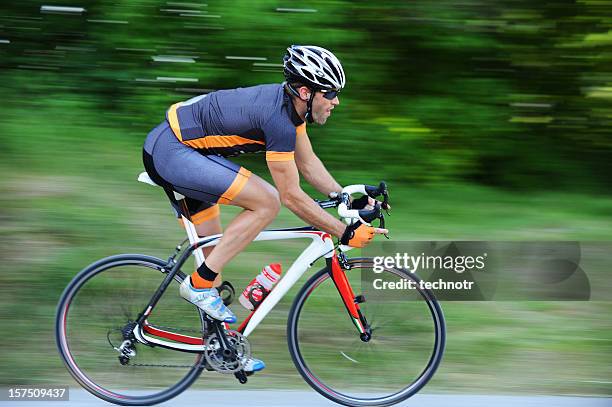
[(227, 364)]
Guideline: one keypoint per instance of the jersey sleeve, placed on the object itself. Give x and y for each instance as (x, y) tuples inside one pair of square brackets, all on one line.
[(280, 140)]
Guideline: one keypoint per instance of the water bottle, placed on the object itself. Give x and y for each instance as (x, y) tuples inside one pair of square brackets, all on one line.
[(260, 286)]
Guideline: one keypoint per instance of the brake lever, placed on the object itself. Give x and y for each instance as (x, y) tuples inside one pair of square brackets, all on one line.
[(385, 203), (381, 223)]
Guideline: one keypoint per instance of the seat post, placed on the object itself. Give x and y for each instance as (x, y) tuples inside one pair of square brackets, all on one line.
[(192, 233)]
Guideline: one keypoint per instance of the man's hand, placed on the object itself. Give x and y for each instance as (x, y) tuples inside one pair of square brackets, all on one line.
[(365, 202), (360, 235)]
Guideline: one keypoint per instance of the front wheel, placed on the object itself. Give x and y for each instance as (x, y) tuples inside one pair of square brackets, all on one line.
[(403, 353), (95, 317)]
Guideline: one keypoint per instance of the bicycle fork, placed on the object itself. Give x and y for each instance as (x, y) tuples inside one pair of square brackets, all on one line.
[(351, 302)]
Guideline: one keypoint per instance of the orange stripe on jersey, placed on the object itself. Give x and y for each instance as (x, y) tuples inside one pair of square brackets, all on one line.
[(279, 156), (220, 141), (173, 119), (206, 214), (301, 130), (239, 182)]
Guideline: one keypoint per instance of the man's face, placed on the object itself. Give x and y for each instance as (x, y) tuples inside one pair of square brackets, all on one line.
[(321, 107)]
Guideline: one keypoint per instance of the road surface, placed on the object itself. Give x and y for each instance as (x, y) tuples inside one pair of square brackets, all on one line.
[(281, 398)]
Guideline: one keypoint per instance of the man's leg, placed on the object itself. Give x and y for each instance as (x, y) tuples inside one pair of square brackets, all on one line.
[(261, 204), (264, 201), (207, 228)]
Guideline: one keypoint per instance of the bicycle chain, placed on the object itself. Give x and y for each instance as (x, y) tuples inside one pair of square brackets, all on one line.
[(161, 365)]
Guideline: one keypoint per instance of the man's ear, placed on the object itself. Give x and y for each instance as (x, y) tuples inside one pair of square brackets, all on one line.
[(304, 93)]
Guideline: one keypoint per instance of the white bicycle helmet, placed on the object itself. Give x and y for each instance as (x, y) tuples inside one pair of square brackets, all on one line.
[(313, 66)]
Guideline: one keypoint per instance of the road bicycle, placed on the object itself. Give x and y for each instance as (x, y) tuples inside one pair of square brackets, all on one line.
[(127, 337)]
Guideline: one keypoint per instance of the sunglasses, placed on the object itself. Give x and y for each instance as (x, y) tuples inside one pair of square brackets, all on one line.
[(330, 94)]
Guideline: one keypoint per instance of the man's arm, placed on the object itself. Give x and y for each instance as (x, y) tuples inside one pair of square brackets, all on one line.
[(311, 167), (287, 180)]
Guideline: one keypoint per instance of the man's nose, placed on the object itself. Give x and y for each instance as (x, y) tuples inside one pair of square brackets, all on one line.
[(335, 101)]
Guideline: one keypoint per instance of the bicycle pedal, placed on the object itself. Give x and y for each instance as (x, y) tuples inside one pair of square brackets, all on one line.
[(242, 376)]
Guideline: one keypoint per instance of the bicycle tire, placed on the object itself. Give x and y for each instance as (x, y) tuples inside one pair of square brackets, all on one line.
[(324, 335), (63, 340)]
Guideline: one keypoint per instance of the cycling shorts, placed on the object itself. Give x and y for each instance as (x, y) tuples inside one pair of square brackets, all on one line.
[(205, 180)]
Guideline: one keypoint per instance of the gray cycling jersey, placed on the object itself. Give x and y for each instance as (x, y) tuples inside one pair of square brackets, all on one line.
[(235, 121)]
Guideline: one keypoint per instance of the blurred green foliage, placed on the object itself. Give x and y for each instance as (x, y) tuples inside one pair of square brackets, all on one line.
[(515, 94)]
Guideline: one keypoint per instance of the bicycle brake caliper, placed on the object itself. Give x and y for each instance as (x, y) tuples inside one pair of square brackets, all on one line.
[(343, 260)]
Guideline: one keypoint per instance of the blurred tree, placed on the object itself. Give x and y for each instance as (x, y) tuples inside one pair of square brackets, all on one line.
[(513, 94)]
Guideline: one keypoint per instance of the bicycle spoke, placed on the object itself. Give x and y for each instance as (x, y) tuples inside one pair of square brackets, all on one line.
[(105, 302), (393, 364)]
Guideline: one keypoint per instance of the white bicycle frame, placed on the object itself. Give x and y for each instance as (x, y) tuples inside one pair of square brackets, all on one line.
[(321, 246)]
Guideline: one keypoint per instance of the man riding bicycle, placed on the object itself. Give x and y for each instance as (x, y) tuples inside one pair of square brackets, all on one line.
[(187, 153)]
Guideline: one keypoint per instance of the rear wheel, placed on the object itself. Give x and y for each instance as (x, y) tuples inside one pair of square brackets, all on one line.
[(405, 349), (94, 319)]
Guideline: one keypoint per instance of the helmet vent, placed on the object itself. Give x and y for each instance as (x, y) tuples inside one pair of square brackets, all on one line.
[(308, 75)]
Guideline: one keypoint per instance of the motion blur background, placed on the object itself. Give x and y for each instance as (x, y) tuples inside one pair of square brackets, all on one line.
[(488, 120)]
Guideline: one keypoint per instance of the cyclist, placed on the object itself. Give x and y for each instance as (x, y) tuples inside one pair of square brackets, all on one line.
[(187, 153)]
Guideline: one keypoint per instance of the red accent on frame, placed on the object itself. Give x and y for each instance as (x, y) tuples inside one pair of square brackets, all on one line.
[(190, 340), (344, 287), (245, 322), (322, 235)]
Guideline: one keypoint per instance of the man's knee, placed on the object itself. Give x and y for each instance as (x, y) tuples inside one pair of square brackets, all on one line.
[(270, 204), (260, 197)]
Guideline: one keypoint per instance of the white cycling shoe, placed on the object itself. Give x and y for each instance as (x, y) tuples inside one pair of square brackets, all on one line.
[(249, 366), (208, 300), (254, 365)]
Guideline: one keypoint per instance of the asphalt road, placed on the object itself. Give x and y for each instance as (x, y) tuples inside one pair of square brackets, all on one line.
[(280, 398)]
